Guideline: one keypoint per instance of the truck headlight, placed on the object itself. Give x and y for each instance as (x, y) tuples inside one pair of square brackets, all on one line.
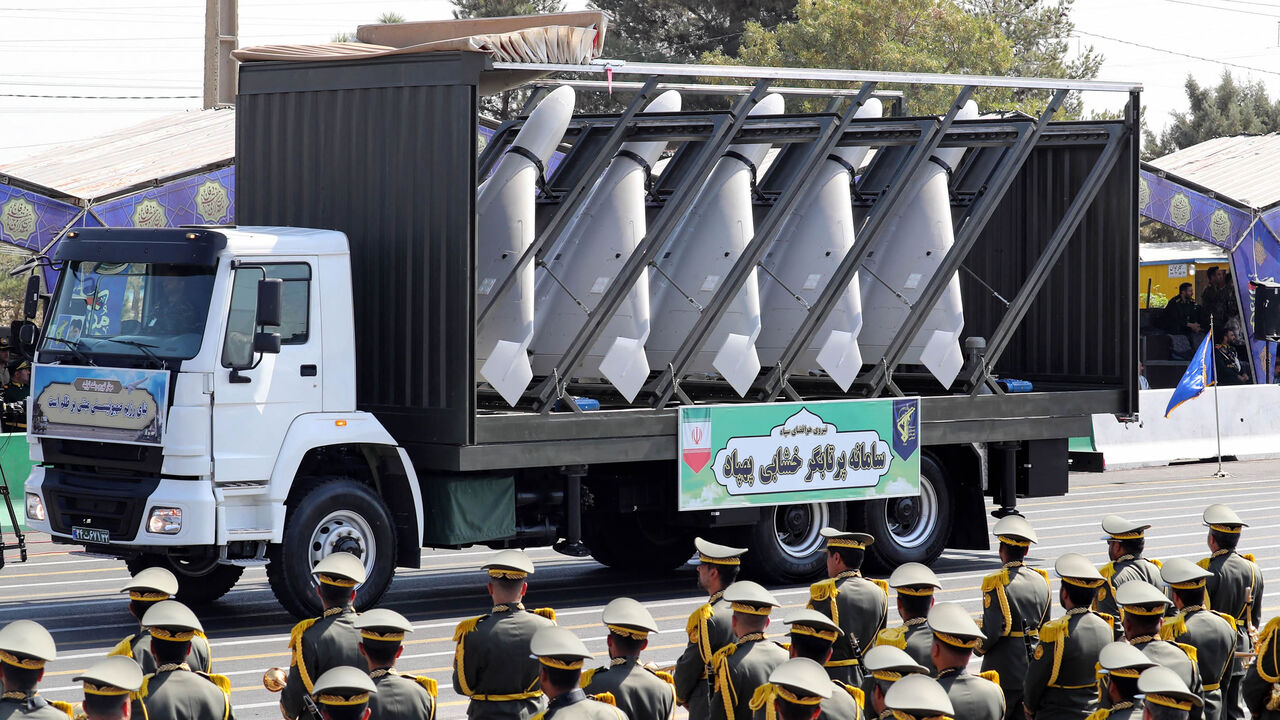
[(35, 507), (165, 521)]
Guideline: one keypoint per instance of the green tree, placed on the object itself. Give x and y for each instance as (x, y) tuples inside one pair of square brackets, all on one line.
[(1231, 108), (682, 30), (504, 8), (387, 18)]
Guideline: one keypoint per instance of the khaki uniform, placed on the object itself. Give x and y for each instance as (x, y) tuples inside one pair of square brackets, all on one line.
[(1015, 603), (1213, 635), (1236, 590), (138, 647), (575, 705), (1128, 568), (1179, 658), (639, 692), (316, 646), (402, 697), (710, 629), (860, 606), (174, 692), (36, 709), (738, 669), (492, 665), (974, 697), (913, 636), (1060, 682)]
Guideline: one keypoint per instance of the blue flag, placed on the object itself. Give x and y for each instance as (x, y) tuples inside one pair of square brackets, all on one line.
[(1199, 375)]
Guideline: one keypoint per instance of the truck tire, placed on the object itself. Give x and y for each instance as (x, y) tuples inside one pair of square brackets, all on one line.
[(911, 529), (334, 515), (199, 583), (785, 545), (638, 543)]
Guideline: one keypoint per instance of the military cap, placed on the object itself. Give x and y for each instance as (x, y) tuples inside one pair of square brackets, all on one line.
[(914, 579), (5, 343), (26, 644), (888, 663), (1123, 659), (23, 365), (952, 625), (1223, 519), (343, 686), (1162, 686), (815, 624), (557, 647), (115, 675), (715, 554), (171, 620), (1118, 529), (1141, 599), (919, 695), (1182, 574), (509, 565), (840, 538), (152, 584), (628, 618), (341, 569), (1075, 569), (802, 680), (1014, 530), (751, 598), (382, 624)]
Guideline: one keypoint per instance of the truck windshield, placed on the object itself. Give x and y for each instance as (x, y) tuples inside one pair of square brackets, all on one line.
[(146, 309)]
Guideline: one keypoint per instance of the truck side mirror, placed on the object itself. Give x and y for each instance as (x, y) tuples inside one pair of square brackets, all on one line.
[(31, 298), (266, 342), (270, 303)]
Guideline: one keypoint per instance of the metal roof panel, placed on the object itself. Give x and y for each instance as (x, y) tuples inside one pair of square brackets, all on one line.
[(1241, 167)]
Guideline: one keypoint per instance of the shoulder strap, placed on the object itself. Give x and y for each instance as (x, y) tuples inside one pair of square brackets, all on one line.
[(897, 637), (995, 580), (1174, 628), (1230, 620), (465, 627), (65, 707), (145, 688), (605, 697), (1043, 573), (1108, 571), (1249, 557), (222, 681), (587, 674), (664, 676), (991, 675), (1111, 620), (295, 658), (547, 613), (1100, 714), (295, 635), (429, 684), (824, 590), (1053, 631), (857, 694), (1190, 650), (124, 647), (882, 584), (1203, 563), (697, 630)]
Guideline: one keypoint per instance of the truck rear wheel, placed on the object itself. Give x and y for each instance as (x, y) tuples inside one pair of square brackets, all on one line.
[(786, 545), (199, 581), (334, 515), (911, 529), (638, 543)]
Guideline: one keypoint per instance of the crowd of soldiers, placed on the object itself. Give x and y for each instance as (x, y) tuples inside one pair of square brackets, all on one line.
[(1139, 639)]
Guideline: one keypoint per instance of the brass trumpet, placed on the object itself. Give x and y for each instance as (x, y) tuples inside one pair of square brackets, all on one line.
[(275, 679)]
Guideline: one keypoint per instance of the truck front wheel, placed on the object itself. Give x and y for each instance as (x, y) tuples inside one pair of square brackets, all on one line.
[(334, 515), (786, 545), (911, 529), (199, 581)]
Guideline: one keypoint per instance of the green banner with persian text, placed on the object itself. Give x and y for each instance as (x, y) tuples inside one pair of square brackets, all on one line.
[(789, 453)]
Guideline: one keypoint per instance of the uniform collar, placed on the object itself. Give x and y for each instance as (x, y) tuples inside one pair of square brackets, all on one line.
[(506, 607), (171, 667), (715, 597), (1122, 705), (915, 621), (950, 671), (381, 672), (1220, 553), (1125, 558), (575, 695), (750, 638), (624, 661), (848, 574), (1143, 640)]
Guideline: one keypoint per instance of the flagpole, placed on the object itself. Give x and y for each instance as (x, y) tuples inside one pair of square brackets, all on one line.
[(1217, 419)]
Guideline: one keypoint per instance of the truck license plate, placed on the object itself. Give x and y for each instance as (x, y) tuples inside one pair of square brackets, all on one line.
[(91, 535)]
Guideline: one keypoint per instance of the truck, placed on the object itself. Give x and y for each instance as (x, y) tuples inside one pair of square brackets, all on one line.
[(603, 332)]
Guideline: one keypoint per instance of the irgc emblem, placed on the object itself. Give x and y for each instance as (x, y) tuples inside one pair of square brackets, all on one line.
[(212, 202), (18, 218), (906, 427)]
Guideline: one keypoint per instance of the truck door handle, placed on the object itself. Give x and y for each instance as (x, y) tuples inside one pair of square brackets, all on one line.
[(308, 371)]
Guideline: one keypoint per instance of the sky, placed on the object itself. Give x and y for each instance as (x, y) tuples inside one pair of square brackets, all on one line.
[(125, 63)]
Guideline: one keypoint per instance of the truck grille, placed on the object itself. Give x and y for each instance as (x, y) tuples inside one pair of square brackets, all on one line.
[(85, 500)]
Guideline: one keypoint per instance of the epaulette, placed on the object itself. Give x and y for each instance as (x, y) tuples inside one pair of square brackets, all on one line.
[(1054, 630), (1228, 618), (295, 635), (1043, 573), (1249, 557), (146, 681), (696, 618), (882, 584), (1204, 564), (1190, 650), (466, 626), (991, 675), (429, 684), (1100, 714), (605, 697), (724, 653), (222, 681), (896, 637), (587, 674), (824, 590), (1111, 620), (124, 647), (1267, 665), (1108, 571), (1173, 628), (995, 580), (547, 613), (856, 693), (65, 707), (664, 676)]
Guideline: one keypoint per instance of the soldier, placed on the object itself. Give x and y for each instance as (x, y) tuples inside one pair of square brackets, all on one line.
[(884, 666), (561, 656), (343, 693), (491, 664), (860, 606), (1236, 590), (14, 396), (813, 636), (795, 691), (1060, 680), (25, 648), (1125, 542), (399, 696), (1212, 634), (1164, 697), (108, 687), (145, 589), (739, 668), (174, 691), (1119, 665), (329, 641), (955, 635), (915, 584), (1015, 604), (919, 697), (1144, 608), (1261, 685), (709, 626), (641, 693)]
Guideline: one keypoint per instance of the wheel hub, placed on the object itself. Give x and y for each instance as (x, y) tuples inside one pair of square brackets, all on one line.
[(796, 520), (907, 511), (343, 531)]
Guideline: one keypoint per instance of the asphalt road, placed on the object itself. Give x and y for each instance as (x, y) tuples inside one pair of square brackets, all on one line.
[(76, 596)]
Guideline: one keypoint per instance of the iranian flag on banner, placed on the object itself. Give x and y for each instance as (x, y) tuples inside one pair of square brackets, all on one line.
[(695, 437)]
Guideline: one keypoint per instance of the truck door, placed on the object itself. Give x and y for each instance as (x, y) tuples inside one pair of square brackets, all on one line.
[(253, 408)]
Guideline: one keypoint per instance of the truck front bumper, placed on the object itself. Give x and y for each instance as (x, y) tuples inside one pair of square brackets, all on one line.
[(122, 506)]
